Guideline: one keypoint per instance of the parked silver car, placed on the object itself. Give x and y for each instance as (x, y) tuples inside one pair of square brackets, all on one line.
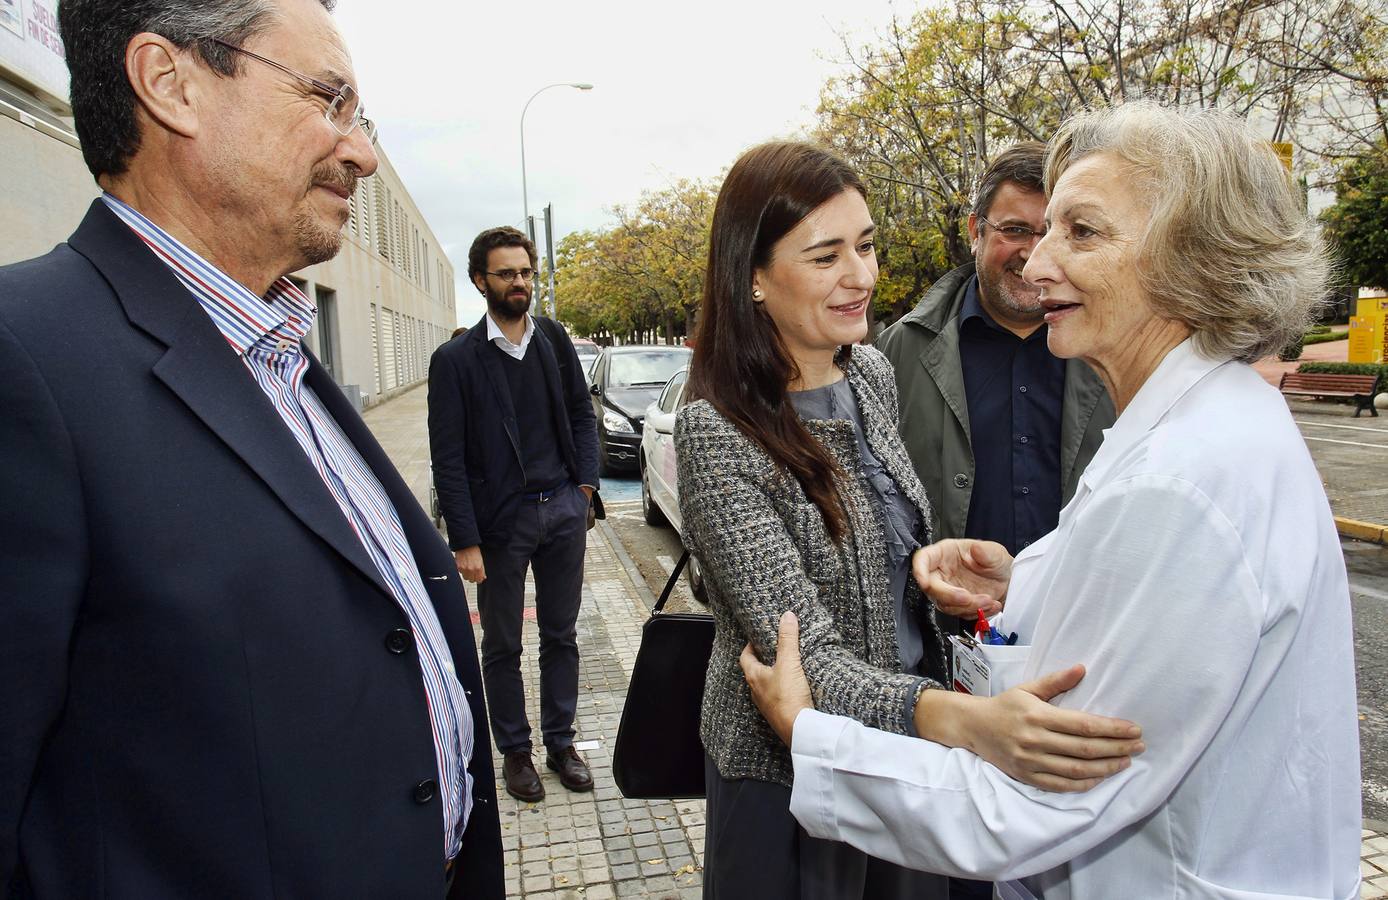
[(588, 353), (660, 500)]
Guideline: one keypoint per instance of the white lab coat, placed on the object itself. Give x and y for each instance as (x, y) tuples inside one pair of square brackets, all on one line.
[(1198, 576)]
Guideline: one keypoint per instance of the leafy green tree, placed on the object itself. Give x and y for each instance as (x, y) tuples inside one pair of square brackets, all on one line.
[(1357, 225), (641, 279), (924, 108)]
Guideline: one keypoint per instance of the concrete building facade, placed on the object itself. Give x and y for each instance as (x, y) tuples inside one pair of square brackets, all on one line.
[(384, 302), (387, 299)]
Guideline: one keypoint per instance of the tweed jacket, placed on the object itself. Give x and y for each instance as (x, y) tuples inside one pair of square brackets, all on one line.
[(764, 549)]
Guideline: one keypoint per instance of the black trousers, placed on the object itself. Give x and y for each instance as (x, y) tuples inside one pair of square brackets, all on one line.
[(549, 538), (754, 848)]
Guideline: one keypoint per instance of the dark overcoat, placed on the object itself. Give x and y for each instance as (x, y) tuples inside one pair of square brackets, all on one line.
[(199, 697)]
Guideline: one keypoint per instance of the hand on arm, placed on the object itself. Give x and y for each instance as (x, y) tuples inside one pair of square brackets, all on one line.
[(470, 565), (1131, 597), (963, 576), (748, 546), (780, 691), (1021, 733), (1018, 731)]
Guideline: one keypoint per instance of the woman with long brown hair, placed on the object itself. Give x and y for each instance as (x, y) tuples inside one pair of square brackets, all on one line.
[(797, 494)]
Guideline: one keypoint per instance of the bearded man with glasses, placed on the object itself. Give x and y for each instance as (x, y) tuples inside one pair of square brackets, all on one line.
[(239, 659), (514, 444)]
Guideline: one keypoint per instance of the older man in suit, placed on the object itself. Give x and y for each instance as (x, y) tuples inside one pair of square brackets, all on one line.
[(238, 658), (514, 444)]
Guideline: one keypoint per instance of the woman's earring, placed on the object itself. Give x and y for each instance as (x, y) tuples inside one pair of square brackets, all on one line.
[(756, 295)]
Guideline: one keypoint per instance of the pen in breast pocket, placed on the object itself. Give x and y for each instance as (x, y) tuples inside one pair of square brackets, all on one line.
[(987, 634)]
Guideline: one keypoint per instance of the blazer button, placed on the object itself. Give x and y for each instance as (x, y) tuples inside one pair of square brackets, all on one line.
[(425, 791), (961, 480), (399, 640)]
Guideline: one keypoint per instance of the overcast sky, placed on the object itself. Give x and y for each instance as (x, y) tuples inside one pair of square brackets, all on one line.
[(679, 91)]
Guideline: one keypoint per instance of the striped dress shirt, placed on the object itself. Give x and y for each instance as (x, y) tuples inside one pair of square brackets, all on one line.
[(266, 332)]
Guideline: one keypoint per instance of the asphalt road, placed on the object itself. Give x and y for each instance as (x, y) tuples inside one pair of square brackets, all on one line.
[(1368, 582), (655, 550)]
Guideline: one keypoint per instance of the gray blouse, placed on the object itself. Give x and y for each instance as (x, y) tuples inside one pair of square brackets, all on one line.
[(901, 522)]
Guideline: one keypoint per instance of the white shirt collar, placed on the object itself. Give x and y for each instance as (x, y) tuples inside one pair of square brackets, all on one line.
[(1178, 372), (496, 336)]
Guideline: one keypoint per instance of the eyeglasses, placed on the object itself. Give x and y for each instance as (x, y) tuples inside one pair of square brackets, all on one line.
[(345, 110), (1014, 234), (509, 275)]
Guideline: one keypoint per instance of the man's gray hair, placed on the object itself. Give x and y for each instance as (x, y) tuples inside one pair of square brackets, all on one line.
[(95, 36), (1229, 248)]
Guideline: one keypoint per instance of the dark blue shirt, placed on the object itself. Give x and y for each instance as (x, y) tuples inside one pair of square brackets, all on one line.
[(1014, 388)]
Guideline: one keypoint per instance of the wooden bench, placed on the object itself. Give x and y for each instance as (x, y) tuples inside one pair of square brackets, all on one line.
[(1360, 388)]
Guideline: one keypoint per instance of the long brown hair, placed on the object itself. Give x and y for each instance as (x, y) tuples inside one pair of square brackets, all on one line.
[(741, 365)]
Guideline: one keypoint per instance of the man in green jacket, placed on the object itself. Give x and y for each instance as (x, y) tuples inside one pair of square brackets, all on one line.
[(999, 430)]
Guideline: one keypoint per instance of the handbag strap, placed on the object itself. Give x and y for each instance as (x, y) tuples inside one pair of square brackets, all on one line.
[(670, 585)]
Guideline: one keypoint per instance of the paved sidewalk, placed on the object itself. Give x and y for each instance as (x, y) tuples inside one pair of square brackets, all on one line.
[(571, 846), (597, 845)]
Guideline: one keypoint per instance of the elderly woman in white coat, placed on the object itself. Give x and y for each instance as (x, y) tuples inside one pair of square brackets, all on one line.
[(1196, 573)]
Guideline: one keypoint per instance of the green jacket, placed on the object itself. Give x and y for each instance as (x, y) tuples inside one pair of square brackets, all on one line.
[(923, 347)]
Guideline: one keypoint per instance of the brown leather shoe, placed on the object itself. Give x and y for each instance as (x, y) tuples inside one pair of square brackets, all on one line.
[(573, 771), (522, 781)]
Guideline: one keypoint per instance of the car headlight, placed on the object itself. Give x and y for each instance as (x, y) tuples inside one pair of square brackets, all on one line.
[(616, 422)]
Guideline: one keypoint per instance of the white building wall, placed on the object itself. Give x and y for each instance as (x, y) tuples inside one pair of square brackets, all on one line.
[(44, 188), (380, 273)]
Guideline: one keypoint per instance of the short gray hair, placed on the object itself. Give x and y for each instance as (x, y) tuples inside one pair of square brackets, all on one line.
[(95, 34), (1229, 249)]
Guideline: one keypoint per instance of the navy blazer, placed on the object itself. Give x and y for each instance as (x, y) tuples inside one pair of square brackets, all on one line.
[(474, 440), (199, 696)]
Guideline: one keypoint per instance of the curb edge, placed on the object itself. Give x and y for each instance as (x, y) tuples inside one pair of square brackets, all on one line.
[(1362, 531), (634, 575)]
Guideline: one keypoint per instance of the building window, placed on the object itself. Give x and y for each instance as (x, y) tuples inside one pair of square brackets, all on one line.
[(381, 213), (389, 363), (400, 346), (375, 352), (326, 326)]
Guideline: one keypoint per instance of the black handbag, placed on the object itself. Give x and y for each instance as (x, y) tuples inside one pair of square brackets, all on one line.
[(658, 754)]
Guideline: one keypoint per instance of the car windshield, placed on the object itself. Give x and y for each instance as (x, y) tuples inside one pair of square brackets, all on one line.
[(646, 367), (586, 351)]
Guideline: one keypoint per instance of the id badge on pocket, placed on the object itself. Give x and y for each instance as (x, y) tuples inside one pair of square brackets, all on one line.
[(985, 670), (970, 671)]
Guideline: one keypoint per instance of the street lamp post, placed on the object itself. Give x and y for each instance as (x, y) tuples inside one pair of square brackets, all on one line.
[(525, 190)]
